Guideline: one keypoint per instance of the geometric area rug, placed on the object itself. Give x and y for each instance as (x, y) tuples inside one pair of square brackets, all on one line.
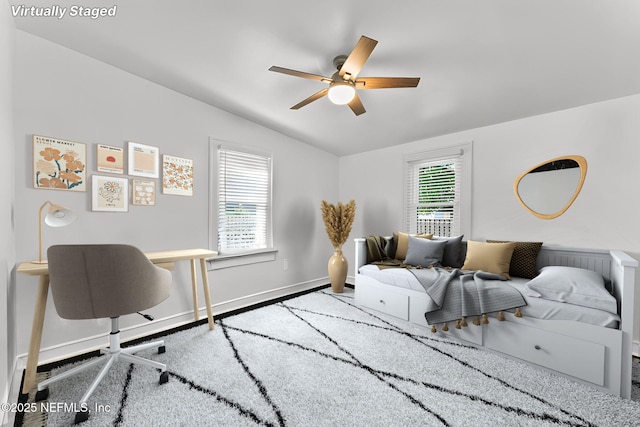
[(320, 360)]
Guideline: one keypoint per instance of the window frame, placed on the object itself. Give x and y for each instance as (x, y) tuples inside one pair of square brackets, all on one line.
[(465, 154), (234, 258)]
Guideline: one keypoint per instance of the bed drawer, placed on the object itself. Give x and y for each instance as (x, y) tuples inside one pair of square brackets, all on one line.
[(574, 357), (392, 303)]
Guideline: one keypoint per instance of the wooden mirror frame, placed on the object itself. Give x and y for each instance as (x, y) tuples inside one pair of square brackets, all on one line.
[(582, 164)]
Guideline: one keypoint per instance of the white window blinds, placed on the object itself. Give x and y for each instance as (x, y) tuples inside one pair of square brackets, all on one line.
[(433, 195), (244, 200)]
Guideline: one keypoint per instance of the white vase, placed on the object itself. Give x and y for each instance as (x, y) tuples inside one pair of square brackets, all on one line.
[(338, 267)]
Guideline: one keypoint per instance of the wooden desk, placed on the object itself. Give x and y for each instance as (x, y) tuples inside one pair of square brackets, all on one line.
[(164, 259)]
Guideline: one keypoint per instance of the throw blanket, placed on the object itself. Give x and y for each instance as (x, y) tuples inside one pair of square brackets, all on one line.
[(376, 249), (463, 293), (377, 253)]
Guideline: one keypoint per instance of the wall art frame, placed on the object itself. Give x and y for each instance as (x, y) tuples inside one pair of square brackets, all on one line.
[(109, 194), (143, 192), (59, 164), (109, 159), (143, 160), (177, 175)]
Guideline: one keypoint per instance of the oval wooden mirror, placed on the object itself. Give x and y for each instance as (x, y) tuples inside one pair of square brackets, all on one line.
[(548, 189)]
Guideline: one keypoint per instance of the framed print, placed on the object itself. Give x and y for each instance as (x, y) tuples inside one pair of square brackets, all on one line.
[(109, 159), (144, 192), (110, 194), (59, 164), (177, 175), (144, 160)]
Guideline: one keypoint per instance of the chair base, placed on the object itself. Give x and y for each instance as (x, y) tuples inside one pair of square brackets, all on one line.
[(111, 355)]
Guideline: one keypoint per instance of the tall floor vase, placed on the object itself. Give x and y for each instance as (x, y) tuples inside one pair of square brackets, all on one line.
[(338, 267)]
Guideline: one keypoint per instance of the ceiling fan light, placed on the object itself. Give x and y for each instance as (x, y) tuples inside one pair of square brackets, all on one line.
[(341, 93)]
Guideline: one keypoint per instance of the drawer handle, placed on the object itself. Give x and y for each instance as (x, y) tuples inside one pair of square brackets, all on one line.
[(382, 301), (537, 347)]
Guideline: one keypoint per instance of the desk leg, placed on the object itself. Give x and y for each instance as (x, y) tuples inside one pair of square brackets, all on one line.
[(36, 335), (194, 289), (207, 296)]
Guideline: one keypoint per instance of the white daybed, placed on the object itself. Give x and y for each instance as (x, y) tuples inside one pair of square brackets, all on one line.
[(596, 355)]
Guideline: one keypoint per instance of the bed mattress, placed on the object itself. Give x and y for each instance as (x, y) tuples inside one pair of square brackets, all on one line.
[(537, 308)]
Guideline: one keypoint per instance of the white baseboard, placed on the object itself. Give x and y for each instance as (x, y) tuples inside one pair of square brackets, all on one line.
[(271, 294), (635, 348)]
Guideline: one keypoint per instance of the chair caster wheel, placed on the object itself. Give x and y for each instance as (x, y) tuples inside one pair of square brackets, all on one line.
[(162, 349), (164, 377), (42, 395), (81, 417)]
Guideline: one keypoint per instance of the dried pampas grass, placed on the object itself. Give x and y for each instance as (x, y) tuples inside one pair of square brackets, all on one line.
[(337, 221)]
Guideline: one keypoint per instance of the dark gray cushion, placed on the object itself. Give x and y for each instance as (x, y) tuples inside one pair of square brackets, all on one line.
[(392, 244), (453, 256)]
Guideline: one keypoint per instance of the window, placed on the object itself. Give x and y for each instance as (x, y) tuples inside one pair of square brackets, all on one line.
[(243, 205), (437, 196)]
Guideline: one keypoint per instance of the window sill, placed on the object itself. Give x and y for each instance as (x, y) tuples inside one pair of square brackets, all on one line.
[(239, 259)]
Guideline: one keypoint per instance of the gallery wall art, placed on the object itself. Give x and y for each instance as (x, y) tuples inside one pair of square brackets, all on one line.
[(62, 165)]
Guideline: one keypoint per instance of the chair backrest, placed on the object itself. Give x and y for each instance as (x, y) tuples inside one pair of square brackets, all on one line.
[(99, 281)]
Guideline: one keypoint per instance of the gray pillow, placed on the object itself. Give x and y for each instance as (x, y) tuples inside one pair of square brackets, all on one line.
[(424, 252), (574, 286), (452, 251)]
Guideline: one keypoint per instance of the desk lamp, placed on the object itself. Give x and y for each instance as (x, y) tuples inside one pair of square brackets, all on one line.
[(57, 216)]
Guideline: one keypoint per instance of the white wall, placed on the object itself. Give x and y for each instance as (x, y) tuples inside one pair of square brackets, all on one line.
[(71, 96), (7, 177), (605, 215)]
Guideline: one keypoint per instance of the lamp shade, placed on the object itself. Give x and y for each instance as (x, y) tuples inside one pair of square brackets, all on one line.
[(59, 216), (341, 92)]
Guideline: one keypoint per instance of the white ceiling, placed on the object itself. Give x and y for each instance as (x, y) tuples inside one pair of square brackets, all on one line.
[(480, 62)]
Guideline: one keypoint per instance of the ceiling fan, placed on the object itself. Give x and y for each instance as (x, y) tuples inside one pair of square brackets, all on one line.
[(344, 82)]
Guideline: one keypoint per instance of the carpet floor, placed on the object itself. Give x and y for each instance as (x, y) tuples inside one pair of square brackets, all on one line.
[(320, 360)]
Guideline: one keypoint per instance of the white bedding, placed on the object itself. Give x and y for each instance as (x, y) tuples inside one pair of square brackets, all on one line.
[(537, 308)]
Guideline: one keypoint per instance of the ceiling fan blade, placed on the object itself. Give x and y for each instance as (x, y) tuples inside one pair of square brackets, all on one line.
[(356, 59), (386, 82), (299, 74), (310, 99), (356, 105)]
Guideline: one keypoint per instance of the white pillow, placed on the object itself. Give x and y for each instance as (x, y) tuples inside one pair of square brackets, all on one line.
[(574, 286)]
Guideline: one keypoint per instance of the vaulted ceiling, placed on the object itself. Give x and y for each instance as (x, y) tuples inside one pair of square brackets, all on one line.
[(480, 62)]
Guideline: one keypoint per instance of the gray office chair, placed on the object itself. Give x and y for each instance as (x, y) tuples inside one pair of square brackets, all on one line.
[(100, 281)]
